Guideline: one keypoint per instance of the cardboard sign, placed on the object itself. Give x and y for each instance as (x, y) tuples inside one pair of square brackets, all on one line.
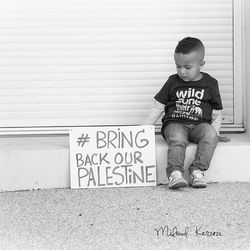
[(112, 157)]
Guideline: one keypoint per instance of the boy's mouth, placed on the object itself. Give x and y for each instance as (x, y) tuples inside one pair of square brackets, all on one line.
[(185, 78)]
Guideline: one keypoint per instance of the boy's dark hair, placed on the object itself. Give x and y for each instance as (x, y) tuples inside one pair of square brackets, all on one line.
[(188, 45)]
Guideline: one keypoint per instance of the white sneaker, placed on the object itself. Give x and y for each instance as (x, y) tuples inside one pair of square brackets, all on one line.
[(176, 180), (197, 179)]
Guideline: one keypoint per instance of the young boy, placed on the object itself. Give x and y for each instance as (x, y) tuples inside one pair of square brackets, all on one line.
[(192, 105)]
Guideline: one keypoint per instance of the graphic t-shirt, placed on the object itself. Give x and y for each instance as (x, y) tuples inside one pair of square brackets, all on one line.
[(189, 102)]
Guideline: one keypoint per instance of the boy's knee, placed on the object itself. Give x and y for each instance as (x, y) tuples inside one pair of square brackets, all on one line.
[(176, 143), (175, 133), (211, 134), (205, 132)]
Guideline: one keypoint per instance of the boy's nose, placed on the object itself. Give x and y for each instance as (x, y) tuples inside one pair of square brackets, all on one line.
[(182, 71)]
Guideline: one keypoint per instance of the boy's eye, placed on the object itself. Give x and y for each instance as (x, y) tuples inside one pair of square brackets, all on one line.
[(186, 67)]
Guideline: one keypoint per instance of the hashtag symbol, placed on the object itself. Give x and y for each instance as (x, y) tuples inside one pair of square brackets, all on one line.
[(83, 139)]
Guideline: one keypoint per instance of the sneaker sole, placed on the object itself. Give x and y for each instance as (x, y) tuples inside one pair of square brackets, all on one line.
[(198, 185), (178, 185)]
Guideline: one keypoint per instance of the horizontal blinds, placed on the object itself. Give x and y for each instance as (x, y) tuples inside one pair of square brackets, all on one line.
[(99, 62)]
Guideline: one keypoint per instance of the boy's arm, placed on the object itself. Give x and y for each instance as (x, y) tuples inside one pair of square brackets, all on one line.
[(154, 114), (216, 120), (216, 123)]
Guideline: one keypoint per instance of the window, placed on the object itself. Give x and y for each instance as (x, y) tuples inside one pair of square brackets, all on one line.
[(100, 62)]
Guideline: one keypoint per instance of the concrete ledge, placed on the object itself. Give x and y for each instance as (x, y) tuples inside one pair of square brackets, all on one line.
[(34, 162), (37, 162)]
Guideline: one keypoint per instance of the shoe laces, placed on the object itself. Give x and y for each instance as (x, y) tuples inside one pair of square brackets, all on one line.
[(197, 174), (175, 175)]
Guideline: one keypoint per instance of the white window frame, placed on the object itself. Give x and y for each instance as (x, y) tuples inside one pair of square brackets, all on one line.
[(238, 56)]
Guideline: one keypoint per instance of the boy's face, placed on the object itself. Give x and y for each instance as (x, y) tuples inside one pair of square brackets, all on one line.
[(189, 65)]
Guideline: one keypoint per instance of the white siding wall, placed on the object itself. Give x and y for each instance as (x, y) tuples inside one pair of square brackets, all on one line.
[(92, 62)]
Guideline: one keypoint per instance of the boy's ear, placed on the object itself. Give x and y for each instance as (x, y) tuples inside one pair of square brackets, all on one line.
[(202, 64)]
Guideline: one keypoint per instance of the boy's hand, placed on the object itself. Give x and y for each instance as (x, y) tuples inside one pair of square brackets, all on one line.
[(223, 139)]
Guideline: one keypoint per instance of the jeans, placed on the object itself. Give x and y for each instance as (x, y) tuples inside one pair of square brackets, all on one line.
[(178, 137)]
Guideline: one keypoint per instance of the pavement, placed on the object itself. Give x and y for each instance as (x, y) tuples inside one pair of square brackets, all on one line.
[(217, 217)]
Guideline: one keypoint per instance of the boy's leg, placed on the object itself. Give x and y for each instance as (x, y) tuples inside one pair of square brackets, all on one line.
[(176, 136), (205, 136)]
